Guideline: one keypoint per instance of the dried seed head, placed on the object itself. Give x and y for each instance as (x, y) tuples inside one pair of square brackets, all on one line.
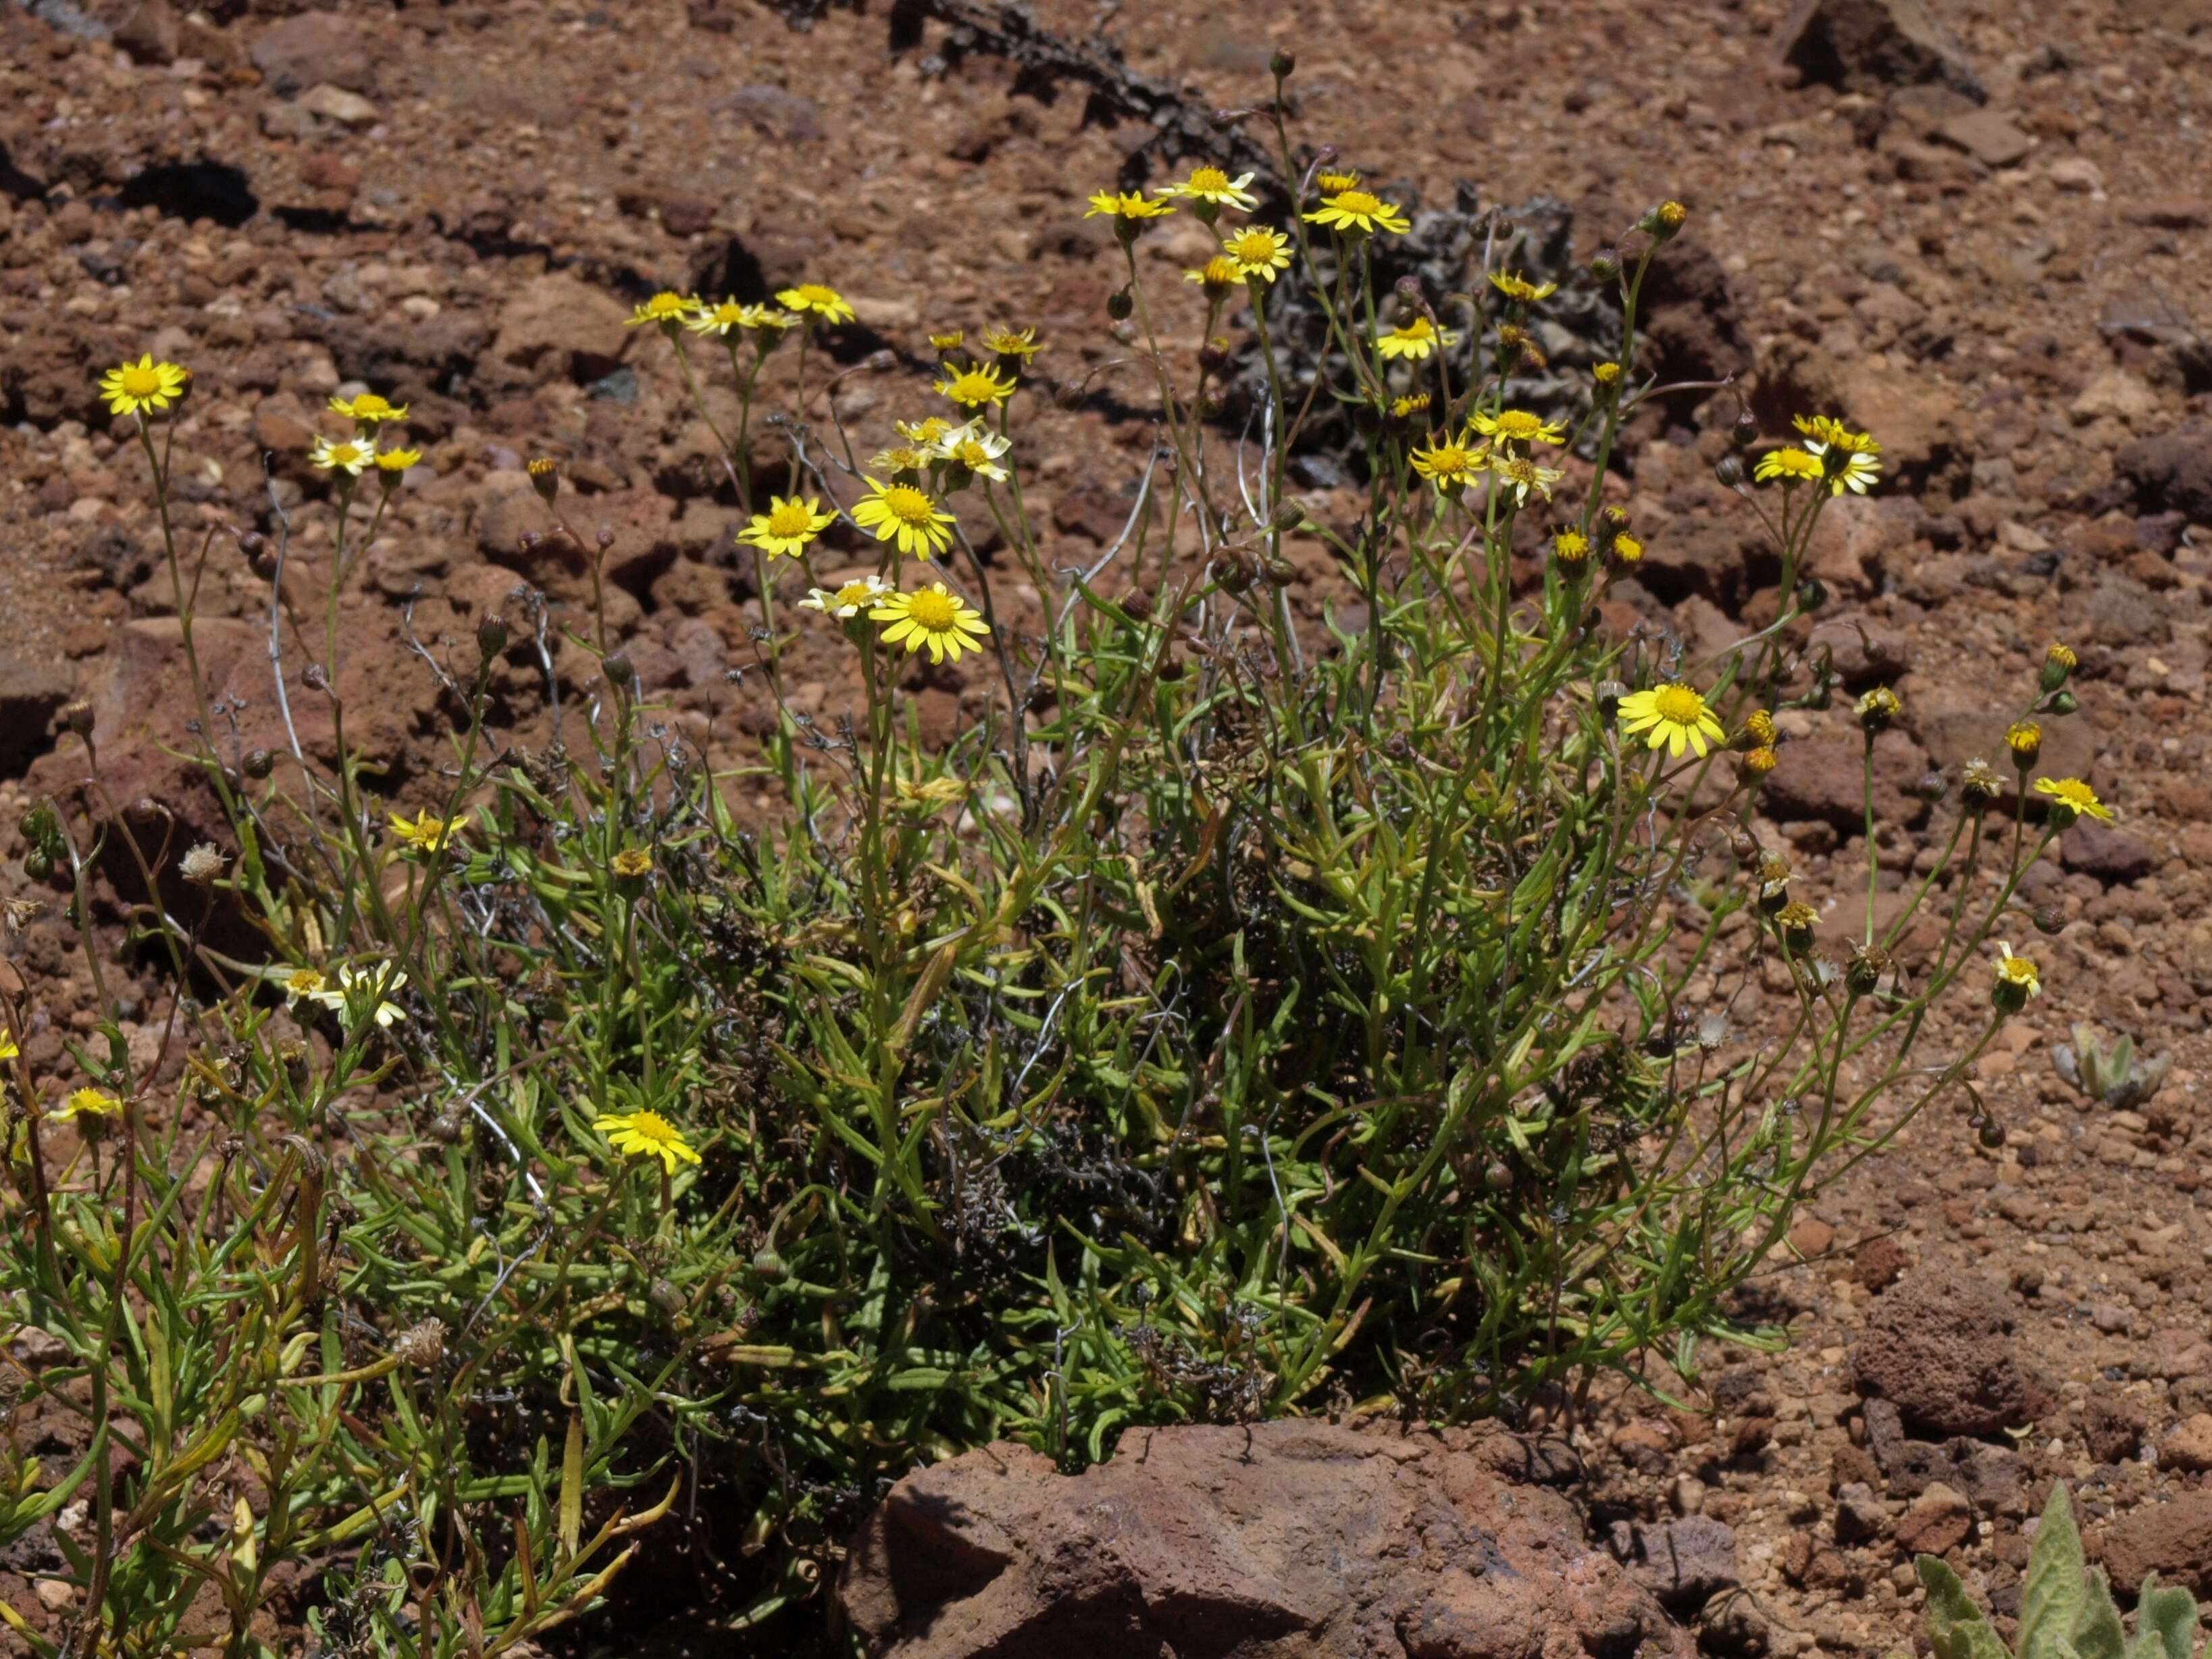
[(420, 1346), (202, 865)]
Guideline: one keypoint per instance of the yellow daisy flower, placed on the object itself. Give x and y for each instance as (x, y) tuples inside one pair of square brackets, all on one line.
[(368, 408), (1013, 343), (1792, 466), (349, 456), (1626, 547), (1358, 210), (2071, 798), (1131, 206), (1517, 426), (86, 1102), (311, 985), (1675, 717), (1336, 182), (631, 864), (976, 447), (1404, 407), (975, 388), (847, 601), (931, 617), (924, 431), (1259, 251), (393, 462), (427, 834), (905, 516), (368, 987), (1415, 340), (1210, 184), (2017, 972), (817, 299), (646, 1134), (1514, 286), (720, 319), (788, 526), (665, 307), (1571, 548), (902, 457), (948, 341), (136, 388), (1217, 275), (1448, 463)]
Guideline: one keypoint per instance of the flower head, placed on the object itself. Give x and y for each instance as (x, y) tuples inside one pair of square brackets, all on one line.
[(1013, 343), (2071, 798), (905, 515), (2016, 979), (429, 832), (1415, 340), (1756, 764), (2025, 739), (932, 618), (1626, 547), (1515, 287), (2059, 663), (1337, 181), (631, 864), (1571, 548), (788, 526), (850, 599), (1519, 476), (976, 447), (368, 409), (1360, 211), (145, 385), (1979, 784), (348, 456), (1217, 275), (1792, 466), (1211, 185), (391, 463), (949, 340), (903, 457), (1675, 717), (1517, 426), (975, 388), (1606, 374), (1129, 207), (817, 299), (1450, 464), (665, 306), (1878, 708), (926, 432), (721, 319), (311, 985), (646, 1134), (367, 991), (1847, 457), (1259, 251), (1758, 731), (1413, 404), (1797, 921), (86, 1102)]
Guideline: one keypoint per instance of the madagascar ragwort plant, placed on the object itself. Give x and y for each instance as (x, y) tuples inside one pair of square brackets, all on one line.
[(1234, 1019)]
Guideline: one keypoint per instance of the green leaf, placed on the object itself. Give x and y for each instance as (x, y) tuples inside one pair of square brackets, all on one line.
[(2051, 1606), (2166, 1623), (2097, 1626), (1956, 1628)]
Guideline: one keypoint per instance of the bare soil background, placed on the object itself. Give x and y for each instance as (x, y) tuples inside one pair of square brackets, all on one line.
[(1990, 250)]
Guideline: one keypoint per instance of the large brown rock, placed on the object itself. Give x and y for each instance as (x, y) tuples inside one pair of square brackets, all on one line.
[(1869, 45), (2171, 1540), (1941, 1348), (556, 325), (1292, 1540)]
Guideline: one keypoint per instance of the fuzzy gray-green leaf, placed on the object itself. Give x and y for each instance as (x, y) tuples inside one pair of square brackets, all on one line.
[(2052, 1603), (2169, 1616), (2097, 1626), (1955, 1626)]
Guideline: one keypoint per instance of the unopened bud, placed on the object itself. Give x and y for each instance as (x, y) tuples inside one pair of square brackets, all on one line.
[(2063, 703), (1729, 471), (2050, 919), (1118, 305), (1287, 516), (1812, 593), (491, 634), (2058, 665), (258, 763), (1991, 1133), (1745, 431), (1282, 64), (1605, 264), (544, 477), (78, 718), (620, 670)]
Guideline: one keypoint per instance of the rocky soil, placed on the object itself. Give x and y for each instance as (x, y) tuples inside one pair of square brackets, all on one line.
[(1979, 229)]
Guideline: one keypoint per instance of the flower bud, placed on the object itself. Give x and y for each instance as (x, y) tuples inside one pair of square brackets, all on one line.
[(1287, 516), (491, 634), (1497, 1177), (1798, 923), (1812, 594), (1605, 264), (621, 671), (2063, 702), (2050, 919), (1932, 785), (77, 717), (1744, 433), (1608, 694), (2025, 739), (1729, 471), (1756, 764), (258, 763), (1878, 710), (1864, 972), (1118, 305), (2058, 665), (544, 477), (1282, 64), (1990, 1133)]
